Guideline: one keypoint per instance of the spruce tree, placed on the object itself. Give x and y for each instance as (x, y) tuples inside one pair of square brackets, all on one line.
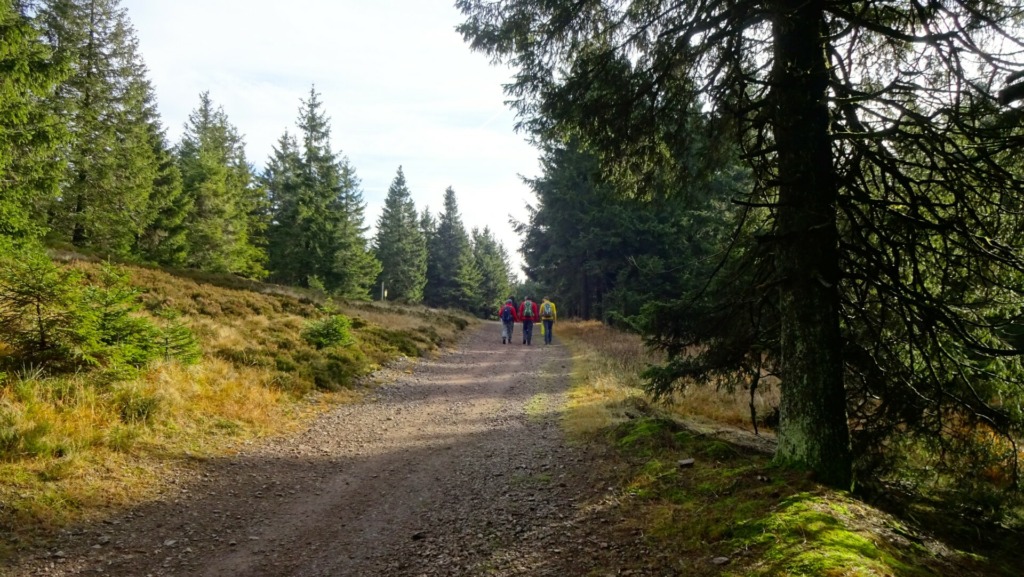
[(355, 268), (400, 246), (281, 179), (428, 228), (165, 241), (454, 280), (887, 265), (30, 133), (108, 104), (319, 214), (317, 225), (606, 253), (492, 261), (222, 192)]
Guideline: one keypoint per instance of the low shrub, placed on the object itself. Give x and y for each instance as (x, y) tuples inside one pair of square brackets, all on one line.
[(21, 440), (337, 369), (121, 438), (66, 320), (408, 343), (335, 330), (10, 437), (135, 405)]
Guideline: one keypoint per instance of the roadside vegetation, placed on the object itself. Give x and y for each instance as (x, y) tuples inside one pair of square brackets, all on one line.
[(731, 512), (113, 374)]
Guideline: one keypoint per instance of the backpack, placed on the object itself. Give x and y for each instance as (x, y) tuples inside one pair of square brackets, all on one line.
[(527, 309), (506, 313), (546, 311)]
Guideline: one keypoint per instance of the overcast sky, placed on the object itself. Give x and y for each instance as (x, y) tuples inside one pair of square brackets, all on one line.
[(399, 84)]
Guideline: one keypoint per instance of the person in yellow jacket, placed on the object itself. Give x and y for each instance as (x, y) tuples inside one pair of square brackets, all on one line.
[(548, 315)]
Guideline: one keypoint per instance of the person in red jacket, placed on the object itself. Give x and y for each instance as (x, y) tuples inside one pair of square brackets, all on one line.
[(528, 313), (508, 316)]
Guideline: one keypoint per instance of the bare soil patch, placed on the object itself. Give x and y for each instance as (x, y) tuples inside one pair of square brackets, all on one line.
[(454, 466)]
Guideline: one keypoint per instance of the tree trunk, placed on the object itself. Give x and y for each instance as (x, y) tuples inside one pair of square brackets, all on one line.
[(813, 428), (585, 295)]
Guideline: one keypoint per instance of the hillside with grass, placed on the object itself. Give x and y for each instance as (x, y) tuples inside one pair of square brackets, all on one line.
[(112, 374), (102, 419), (695, 479)]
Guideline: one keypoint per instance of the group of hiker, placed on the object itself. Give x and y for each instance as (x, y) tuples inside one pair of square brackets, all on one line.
[(528, 312)]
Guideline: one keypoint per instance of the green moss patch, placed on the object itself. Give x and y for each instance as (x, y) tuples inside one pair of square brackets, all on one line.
[(733, 504)]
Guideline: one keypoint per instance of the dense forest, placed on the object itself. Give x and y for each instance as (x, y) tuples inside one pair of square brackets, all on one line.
[(825, 195), (86, 165)]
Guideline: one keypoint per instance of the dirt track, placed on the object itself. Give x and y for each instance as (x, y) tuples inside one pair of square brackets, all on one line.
[(457, 466)]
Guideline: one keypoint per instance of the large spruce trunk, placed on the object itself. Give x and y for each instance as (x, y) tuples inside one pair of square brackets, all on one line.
[(813, 429)]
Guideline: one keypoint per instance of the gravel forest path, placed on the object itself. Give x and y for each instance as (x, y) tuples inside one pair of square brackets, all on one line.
[(455, 466)]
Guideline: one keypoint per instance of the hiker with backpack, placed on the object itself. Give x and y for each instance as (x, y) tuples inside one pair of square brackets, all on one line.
[(528, 313), (548, 315), (507, 314)]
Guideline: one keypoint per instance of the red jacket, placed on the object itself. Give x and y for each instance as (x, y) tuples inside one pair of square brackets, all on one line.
[(515, 314), (533, 307)]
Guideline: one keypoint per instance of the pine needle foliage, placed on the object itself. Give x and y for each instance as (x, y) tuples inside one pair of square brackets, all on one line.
[(876, 269)]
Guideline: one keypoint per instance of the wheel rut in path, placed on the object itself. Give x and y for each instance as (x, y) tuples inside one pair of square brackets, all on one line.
[(456, 466)]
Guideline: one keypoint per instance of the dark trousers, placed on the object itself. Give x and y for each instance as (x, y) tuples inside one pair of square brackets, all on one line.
[(527, 332), (548, 325)]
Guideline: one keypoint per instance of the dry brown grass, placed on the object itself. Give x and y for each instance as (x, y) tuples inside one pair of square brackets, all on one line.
[(411, 317), (80, 447), (728, 402), (607, 368), (772, 521), (606, 382)]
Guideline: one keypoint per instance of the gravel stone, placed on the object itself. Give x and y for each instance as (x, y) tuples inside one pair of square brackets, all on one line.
[(455, 465)]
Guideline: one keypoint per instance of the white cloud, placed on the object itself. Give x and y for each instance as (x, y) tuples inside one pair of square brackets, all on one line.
[(400, 86)]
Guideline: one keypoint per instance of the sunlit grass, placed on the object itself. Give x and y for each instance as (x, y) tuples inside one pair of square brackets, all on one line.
[(608, 366), (411, 317), (602, 385), (78, 447), (93, 449), (731, 503), (727, 404)]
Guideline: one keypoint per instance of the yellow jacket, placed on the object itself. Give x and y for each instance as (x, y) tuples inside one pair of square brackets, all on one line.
[(554, 311)]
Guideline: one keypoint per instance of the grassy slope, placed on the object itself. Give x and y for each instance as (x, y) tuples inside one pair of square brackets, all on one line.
[(732, 504), (83, 446), (90, 447)]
